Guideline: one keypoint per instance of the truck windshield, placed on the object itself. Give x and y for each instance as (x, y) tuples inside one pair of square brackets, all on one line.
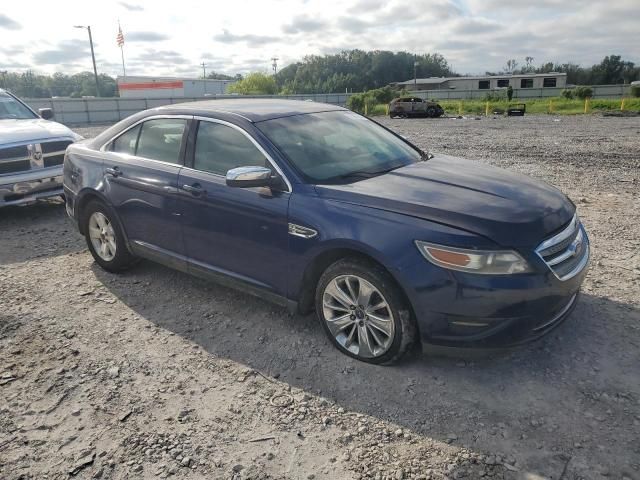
[(10, 108), (338, 146)]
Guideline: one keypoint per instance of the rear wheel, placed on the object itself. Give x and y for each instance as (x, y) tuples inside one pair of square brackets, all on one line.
[(431, 112), (105, 238), (363, 312)]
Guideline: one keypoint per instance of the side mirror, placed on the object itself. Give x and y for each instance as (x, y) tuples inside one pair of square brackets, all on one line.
[(247, 177), (46, 113)]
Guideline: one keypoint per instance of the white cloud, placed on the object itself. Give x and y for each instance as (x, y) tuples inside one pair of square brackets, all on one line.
[(240, 36)]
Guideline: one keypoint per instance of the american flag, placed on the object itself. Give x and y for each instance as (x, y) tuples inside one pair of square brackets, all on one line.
[(120, 37)]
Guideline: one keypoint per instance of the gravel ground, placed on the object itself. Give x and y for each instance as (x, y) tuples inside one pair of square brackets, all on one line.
[(155, 374)]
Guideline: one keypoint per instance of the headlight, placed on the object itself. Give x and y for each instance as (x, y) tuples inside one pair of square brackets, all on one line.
[(487, 262)]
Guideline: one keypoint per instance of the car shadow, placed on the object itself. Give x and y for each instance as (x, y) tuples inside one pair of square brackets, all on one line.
[(532, 399), (41, 222)]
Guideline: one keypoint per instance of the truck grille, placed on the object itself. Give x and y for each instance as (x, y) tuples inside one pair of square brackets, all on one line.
[(567, 252), (23, 158)]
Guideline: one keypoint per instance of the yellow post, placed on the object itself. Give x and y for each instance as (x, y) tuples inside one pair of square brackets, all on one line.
[(486, 109), (460, 107), (387, 109), (550, 106), (366, 109), (587, 105), (622, 104)]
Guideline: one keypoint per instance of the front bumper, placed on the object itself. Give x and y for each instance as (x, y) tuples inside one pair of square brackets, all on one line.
[(19, 188), (466, 310)]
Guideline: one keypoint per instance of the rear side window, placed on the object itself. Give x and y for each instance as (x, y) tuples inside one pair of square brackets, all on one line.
[(161, 139), (219, 148), (126, 143)]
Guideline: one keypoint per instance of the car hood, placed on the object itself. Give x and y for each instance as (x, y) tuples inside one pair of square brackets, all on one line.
[(32, 130), (511, 209)]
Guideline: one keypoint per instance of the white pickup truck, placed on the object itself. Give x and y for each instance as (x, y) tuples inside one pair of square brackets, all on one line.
[(31, 152)]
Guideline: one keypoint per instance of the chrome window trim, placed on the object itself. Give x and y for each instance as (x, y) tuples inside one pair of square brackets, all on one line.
[(251, 139)]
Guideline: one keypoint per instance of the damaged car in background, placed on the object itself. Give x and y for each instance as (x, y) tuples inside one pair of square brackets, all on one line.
[(32, 151)]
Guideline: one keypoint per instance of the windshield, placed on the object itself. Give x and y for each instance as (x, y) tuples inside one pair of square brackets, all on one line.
[(338, 147), (11, 108)]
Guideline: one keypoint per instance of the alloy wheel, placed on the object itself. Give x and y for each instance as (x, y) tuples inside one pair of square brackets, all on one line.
[(102, 235), (358, 316)]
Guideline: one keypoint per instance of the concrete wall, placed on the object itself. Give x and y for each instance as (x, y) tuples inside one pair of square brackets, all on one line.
[(72, 111)]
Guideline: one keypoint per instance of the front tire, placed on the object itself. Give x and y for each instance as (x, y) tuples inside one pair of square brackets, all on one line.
[(105, 238), (363, 312)]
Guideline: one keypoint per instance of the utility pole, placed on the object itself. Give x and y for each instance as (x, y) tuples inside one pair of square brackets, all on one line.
[(274, 65), (204, 76), (415, 66), (4, 78), (93, 57)]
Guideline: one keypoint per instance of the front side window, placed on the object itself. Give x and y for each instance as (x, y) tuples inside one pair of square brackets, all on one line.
[(127, 142), (219, 148), (338, 146), (10, 108), (526, 83), (160, 139)]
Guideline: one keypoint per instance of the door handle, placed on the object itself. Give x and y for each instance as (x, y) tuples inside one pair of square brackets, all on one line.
[(114, 172), (195, 189)]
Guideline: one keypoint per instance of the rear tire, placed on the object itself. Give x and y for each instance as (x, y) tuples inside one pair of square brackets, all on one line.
[(373, 322), (105, 238)]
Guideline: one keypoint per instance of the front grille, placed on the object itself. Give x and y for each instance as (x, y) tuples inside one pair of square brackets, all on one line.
[(13, 152), (567, 252), (19, 159), (54, 160), (52, 147), (15, 166)]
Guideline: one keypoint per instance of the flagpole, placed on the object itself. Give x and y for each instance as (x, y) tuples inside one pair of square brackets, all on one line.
[(124, 71), (121, 37)]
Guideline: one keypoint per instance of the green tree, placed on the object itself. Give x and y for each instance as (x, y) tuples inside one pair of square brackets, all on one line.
[(357, 70), (255, 84)]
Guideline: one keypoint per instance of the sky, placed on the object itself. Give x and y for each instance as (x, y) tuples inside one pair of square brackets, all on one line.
[(239, 36)]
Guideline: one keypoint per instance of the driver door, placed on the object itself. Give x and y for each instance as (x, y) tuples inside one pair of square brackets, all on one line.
[(238, 232)]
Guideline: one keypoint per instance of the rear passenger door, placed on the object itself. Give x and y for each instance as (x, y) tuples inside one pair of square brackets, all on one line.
[(141, 180), (237, 232)]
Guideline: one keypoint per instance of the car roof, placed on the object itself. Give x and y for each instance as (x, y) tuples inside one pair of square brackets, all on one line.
[(251, 109)]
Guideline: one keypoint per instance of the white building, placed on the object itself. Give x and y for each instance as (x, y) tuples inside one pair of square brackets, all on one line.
[(488, 82), (164, 87)]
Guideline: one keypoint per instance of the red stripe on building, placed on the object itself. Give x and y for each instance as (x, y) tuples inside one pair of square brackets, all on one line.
[(150, 85)]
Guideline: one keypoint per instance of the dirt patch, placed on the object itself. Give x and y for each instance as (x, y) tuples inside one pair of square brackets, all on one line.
[(155, 374)]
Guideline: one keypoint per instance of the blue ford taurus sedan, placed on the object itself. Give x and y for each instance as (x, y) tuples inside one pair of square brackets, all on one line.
[(316, 207)]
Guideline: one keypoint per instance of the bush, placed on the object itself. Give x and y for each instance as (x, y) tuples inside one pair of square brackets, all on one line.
[(495, 96), (635, 91), (371, 98), (509, 92), (255, 84), (567, 93), (583, 92)]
